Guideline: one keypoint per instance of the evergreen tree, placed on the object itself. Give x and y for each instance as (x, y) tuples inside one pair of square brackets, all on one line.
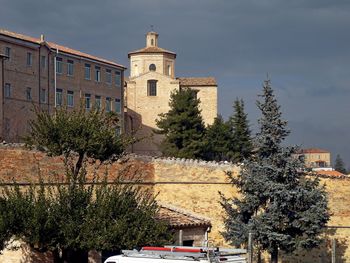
[(339, 165), (283, 208), (240, 147), (217, 139), (182, 126)]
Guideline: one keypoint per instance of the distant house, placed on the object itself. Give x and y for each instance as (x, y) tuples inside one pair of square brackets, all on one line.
[(316, 159)]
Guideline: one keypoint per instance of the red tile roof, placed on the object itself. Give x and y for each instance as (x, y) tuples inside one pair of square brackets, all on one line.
[(178, 217), (313, 150), (57, 47), (151, 50), (206, 81), (330, 173)]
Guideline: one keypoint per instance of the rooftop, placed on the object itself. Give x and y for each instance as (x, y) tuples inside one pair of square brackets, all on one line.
[(313, 150), (206, 81), (330, 173), (178, 217), (57, 47), (151, 50)]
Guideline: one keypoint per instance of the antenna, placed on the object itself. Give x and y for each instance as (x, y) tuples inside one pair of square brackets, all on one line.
[(152, 27)]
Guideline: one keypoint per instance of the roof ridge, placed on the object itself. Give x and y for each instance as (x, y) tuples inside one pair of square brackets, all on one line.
[(56, 46), (184, 212)]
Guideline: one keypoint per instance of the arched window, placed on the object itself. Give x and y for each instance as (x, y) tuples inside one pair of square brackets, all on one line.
[(169, 70), (152, 87), (152, 67), (152, 42)]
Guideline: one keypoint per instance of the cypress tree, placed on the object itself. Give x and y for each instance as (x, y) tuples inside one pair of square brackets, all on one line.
[(240, 147), (283, 208), (339, 165), (217, 139), (182, 126)]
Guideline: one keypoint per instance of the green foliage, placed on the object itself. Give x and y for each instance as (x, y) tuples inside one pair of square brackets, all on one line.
[(77, 217), (182, 126), (339, 165), (240, 146), (72, 216), (217, 139), (283, 208), (77, 135)]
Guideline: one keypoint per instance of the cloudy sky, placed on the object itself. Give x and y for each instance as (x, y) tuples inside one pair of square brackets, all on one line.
[(302, 44)]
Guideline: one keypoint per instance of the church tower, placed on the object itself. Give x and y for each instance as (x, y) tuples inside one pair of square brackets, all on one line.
[(152, 58), (148, 89)]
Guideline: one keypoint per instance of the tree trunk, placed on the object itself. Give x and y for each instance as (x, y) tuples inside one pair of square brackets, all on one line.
[(274, 255)]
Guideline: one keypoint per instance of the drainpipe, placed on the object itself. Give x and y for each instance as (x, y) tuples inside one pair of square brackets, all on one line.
[(3, 58), (55, 72)]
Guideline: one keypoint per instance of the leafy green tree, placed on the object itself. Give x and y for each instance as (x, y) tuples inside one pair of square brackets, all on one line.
[(339, 165), (217, 139), (182, 126), (240, 147), (283, 207), (68, 216)]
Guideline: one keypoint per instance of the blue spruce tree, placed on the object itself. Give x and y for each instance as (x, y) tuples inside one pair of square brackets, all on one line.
[(279, 204)]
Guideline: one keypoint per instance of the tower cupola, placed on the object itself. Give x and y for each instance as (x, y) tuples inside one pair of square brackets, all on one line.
[(152, 39)]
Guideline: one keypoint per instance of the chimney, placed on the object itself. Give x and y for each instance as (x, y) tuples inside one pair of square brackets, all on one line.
[(42, 38)]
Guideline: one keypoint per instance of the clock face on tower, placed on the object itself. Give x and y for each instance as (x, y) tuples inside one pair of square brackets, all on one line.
[(152, 67)]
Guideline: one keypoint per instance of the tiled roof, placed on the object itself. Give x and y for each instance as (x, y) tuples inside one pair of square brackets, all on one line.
[(57, 47), (206, 81), (330, 173), (313, 150), (152, 50), (178, 217)]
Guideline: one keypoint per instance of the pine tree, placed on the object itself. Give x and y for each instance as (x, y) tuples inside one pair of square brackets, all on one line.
[(240, 147), (283, 208), (339, 165), (217, 139), (182, 126)]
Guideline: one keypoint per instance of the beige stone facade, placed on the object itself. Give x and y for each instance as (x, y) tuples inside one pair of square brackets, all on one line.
[(152, 80), (35, 72), (316, 158)]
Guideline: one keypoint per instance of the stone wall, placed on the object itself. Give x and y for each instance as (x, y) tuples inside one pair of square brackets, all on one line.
[(191, 185)]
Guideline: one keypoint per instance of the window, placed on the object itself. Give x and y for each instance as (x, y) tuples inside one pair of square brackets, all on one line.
[(43, 95), (7, 91), (43, 62), (152, 67), (59, 65), (169, 70), (118, 79), (152, 87), (108, 104), (98, 102), (59, 97), (117, 106), (29, 93), (70, 67), (87, 71), (8, 52), (97, 74), (108, 76), (70, 98), (29, 59), (87, 101)]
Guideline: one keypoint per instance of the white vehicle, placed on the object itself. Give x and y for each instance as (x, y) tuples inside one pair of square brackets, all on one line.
[(177, 254)]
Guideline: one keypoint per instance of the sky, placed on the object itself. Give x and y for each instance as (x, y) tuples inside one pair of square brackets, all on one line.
[(302, 45)]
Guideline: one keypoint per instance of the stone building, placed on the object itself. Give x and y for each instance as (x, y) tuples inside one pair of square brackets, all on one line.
[(316, 158), (35, 72), (148, 88)]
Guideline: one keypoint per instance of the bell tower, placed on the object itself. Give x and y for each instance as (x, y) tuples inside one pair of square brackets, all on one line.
[(152, 39)]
